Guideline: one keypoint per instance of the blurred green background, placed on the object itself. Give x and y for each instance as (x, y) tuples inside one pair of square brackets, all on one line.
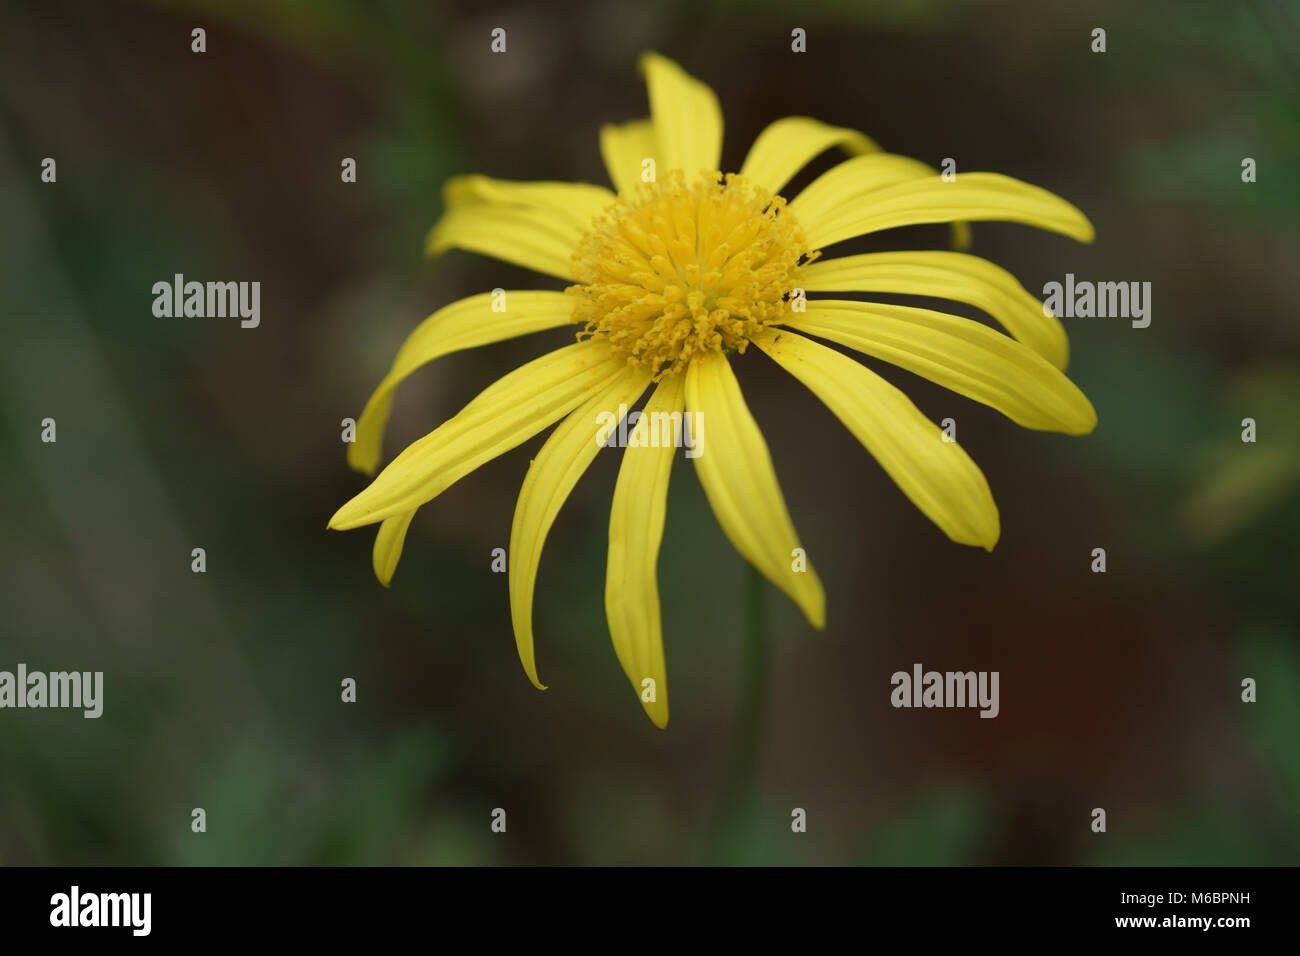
[(1119, 690)]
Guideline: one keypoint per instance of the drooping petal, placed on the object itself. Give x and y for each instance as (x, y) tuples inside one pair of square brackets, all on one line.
[(392, 531), (963, 355), (788, 145), (624, 147), (948, 275), (686, 115), (388, 545), (855, 178), (536, 225), (466, 324), (938, 476), (550, 478), (968, 197), (573, 204), (636, 527), (736, 471), (515, 408), (823, 198), (516, 234)]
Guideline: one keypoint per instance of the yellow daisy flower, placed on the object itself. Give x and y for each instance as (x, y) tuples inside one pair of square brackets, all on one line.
[(675, 275)]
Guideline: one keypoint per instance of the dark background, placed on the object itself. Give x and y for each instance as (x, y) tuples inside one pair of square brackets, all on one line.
[(1119, 690)]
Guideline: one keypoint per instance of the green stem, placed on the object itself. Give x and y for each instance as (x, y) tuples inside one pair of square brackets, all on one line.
[(753, 689), (740, 792)]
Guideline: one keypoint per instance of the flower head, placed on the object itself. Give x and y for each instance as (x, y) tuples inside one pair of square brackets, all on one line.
[(677, 269), (674, 277)]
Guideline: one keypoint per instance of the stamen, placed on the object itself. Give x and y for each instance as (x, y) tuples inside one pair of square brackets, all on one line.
[(672, 270)]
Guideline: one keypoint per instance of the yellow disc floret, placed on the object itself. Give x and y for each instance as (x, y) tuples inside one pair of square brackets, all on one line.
[(674, 269)]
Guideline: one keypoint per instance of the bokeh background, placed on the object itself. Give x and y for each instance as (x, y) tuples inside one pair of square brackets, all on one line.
[(1119, 690)]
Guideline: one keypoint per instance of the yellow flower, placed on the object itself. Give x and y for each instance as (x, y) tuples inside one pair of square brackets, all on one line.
[(681, 270)]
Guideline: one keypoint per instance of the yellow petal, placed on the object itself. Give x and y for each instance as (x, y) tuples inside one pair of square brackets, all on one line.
[(624, 147), (937, 476), (961, 237), (963, 355), (388, 545), (636, 528), (466, 324), (855, 178), (948, 275), (823, 198), (686, 115), (534, 225), (575, 203), (514, 234), (392, 531), (736, 471), (512, 410), (967, 197), (550, 478), (789, 144)]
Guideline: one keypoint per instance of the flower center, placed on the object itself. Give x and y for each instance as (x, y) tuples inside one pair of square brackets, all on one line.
[(675, 269)]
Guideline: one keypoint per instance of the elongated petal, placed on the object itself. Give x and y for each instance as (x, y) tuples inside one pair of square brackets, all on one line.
[(466, 324), (624, 147), (516, 234), (388, 545), (736, 471), (536, 225), (576, 204), (788, 145), (963, 355), (687, 117), (823, 198), (515, 408), (948, 275), (550, 478), (937, 476), (636, 528), (855, 178), (967, 197), (392, 531)]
